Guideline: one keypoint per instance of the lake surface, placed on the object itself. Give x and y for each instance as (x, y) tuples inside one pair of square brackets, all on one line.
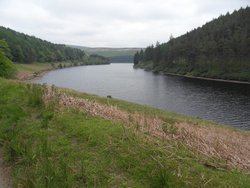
[(226, 103)]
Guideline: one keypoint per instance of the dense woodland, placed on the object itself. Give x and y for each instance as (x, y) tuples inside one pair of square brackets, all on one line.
[(28, 49), (218, 49)]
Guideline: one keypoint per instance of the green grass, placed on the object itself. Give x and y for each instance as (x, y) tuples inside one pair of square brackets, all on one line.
[(47, 147), (39, 67), (36, 67)]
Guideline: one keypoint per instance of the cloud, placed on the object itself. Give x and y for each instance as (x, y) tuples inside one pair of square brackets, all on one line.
[(116, 23)]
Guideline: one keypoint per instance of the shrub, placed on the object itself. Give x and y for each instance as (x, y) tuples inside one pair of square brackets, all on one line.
[(7, 69)]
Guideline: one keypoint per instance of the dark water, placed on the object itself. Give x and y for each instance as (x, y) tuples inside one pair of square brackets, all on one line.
[(222, 102)]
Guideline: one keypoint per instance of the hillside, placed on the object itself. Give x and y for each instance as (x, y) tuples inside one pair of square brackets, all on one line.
[(29, 49), (116, 55), (54, 137), (218, 49)]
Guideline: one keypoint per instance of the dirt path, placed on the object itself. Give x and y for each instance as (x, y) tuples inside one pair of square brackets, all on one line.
[(5, 180)]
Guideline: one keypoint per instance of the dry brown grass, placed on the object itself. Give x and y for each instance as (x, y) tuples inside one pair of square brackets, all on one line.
[(214, 142), (152, 125), (229, 145)]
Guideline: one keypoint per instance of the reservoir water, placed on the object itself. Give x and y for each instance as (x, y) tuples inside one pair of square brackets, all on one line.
[(226, 103)]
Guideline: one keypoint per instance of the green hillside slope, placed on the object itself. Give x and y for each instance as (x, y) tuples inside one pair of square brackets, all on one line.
[(53, 137)]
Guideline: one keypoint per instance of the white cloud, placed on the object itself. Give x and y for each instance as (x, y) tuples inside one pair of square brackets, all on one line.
[(116, 23)]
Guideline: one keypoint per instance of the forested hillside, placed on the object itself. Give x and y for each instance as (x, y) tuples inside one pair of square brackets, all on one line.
[(218, 49), (28, 49)]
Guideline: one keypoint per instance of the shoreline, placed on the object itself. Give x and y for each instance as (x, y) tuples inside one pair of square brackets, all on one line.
[(25, 76), (205, 78), (28, 76), (195, 77)]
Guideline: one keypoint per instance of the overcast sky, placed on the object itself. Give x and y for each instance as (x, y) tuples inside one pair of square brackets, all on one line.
[(111, 23)]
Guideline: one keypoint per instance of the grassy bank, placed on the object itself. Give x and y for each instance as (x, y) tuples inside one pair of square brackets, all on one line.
[(61, 138), (30, 71)]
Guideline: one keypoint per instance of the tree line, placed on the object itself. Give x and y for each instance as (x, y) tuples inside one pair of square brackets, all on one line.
[(218, 49)]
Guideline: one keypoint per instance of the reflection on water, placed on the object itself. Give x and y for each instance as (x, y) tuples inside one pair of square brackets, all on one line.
[(222, 102)]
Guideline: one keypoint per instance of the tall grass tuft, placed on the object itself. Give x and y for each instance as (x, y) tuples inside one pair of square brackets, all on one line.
[(161, 177), (35, 95)]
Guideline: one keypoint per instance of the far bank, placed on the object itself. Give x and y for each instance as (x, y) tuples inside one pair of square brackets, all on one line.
[(149, 67)]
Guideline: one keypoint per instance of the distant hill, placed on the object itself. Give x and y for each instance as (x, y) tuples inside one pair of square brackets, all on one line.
[(218, 49), (116, 55)]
